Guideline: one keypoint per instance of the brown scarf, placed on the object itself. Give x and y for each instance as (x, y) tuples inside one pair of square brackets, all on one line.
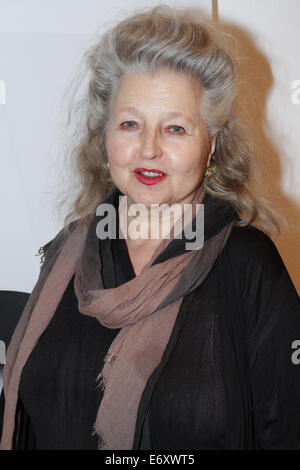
[(145, 308)]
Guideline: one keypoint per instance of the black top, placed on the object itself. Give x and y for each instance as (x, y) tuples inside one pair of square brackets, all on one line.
[(229, 377), (58, 392)]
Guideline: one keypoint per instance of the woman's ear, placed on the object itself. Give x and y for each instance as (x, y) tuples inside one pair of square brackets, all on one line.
[(212, 149)]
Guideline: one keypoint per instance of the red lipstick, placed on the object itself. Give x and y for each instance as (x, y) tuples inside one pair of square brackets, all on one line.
[(149, 180)]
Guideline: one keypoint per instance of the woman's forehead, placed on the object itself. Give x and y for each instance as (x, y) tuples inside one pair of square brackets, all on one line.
[(173, 95)]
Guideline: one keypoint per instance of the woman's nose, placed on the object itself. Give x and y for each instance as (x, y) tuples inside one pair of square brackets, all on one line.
[(150, 146)]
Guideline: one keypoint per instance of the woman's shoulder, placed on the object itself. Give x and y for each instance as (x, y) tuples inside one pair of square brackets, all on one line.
[(56, 242), (253, 266), (251, 235), (250, 251), (251, 242)]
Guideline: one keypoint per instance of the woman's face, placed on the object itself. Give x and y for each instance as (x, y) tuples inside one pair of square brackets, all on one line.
[(155, 124)]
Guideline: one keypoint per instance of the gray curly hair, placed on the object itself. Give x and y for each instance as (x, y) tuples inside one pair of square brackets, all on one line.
[(146, 42)]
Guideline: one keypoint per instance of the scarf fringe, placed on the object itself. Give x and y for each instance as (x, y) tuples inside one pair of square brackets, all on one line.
[(109, 359), (102, 381), (101, 444), (42, 251), (102, 384)]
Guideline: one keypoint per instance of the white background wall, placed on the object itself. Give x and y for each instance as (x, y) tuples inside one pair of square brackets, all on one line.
[(268, 36), (42, 42)]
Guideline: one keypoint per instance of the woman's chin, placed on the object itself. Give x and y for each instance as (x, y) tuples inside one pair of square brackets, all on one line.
[(147, 198)]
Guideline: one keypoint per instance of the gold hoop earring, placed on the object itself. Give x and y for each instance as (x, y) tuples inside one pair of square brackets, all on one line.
[(106, 165), (209, 172)]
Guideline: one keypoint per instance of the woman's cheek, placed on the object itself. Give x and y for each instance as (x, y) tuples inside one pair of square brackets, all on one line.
[(182, 164), (115, 150), (121, 157)]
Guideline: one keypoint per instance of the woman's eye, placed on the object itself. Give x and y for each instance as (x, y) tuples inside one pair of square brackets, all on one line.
[(131, 125), (127, 122), (177, 127)]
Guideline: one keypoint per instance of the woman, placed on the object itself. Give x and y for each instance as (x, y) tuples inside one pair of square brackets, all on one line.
[(144, 342)]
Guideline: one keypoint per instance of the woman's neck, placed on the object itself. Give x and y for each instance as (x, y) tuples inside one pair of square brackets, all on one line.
[(139, 222)]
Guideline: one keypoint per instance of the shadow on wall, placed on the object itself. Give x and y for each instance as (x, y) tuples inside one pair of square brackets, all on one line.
[(256, 84)]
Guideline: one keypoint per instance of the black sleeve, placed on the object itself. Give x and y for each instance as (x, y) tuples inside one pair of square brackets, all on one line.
[(2, 405), (26, 437), (272, 319)]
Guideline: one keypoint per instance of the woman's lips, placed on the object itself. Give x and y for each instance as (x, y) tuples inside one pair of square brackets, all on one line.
[(149, 180)]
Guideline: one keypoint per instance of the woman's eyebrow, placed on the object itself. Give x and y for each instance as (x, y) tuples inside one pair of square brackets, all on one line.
[(167, 113)]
